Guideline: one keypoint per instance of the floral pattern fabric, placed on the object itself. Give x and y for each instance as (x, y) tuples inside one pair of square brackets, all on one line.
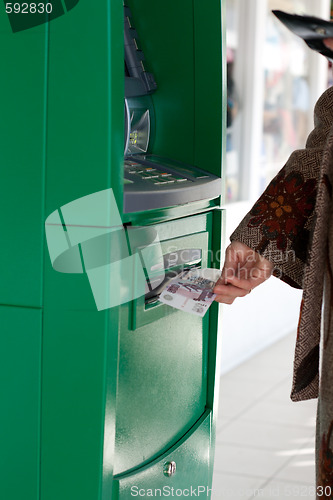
[(282, 211)]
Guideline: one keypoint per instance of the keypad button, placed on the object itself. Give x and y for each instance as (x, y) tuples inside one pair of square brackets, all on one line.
[(132, 163)]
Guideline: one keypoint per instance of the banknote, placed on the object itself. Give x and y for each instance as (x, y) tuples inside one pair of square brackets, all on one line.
[(191, 290)]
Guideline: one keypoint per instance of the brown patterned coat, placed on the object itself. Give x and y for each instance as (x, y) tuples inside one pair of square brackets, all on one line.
[(292, 226)]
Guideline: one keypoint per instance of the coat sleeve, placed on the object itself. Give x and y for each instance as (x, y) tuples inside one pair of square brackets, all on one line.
[(279, 225)]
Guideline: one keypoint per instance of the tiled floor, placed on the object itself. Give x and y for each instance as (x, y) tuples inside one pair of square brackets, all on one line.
[(265, 443)]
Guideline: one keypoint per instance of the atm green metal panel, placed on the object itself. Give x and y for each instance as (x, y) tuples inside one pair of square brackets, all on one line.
[(150, 420), (110, 398), (84, 151), (22, 131), (20, 391)]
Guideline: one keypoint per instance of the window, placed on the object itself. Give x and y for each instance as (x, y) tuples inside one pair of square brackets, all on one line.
[(274, 80)]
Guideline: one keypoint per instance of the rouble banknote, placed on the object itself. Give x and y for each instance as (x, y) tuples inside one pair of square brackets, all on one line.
[(191, 290)]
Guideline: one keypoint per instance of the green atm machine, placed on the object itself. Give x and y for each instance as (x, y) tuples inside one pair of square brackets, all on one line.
[(115, 150)]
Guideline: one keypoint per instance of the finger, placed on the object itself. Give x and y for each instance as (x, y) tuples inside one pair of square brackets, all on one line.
[(241, 283), (229, 299), (241, 270), (230, 263), (225, 300), (229, 270), (221, 281), (230, 292)]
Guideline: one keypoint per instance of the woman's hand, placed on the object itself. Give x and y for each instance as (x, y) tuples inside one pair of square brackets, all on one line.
[(243, 270)]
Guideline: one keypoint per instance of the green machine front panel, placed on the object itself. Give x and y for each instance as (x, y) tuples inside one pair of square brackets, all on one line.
[(73, 402), (162, 388), (210, 86), (80, 347), (182, 47), (84, 123), (193, 456), (165, 30), (90, 394), (22, 137), (20, 387), (123, 388), (85, 130)]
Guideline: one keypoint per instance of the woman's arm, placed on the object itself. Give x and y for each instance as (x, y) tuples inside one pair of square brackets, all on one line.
[(276, 234)]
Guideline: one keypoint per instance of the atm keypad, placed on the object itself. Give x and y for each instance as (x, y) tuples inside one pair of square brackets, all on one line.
[(155, 182), (153, 175)]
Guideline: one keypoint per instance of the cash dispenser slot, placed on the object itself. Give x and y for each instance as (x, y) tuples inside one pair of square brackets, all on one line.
[(178, 254), (174, 263)]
